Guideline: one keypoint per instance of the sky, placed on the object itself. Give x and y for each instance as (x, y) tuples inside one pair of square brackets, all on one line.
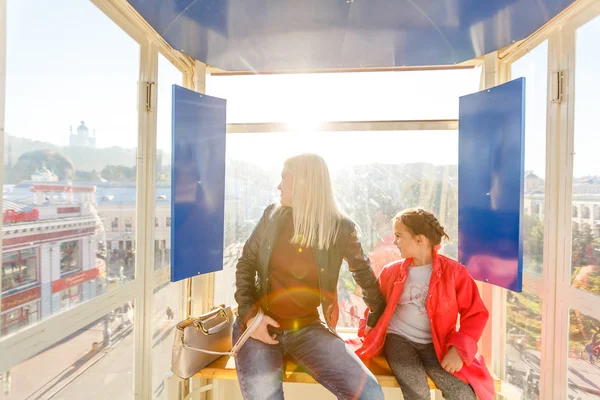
[(67, 62), (343, 149)]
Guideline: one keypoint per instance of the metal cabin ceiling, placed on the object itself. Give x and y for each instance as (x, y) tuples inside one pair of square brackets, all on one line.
[(260, 35)]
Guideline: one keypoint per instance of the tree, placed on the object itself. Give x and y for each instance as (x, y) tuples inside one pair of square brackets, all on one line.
[(436, 196), (119, 173), (533, 242), (28, 163), (587, 240), (411, 194), (583, 240)]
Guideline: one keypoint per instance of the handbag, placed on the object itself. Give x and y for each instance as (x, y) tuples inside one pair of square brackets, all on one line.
[(200, 341)]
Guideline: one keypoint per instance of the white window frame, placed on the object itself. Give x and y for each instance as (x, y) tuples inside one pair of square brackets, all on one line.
[(540, 286), (26, 343), (201, 290), (204, 286), (554, 286), (567, 297)]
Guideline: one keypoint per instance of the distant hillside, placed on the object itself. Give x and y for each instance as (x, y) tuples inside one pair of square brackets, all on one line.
[(87, 159), (84, 159)]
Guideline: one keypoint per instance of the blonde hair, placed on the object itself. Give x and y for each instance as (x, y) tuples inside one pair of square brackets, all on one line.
[(422, 222), (316, 214)]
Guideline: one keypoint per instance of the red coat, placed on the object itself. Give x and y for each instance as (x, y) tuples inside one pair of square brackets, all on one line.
[(451, 291)]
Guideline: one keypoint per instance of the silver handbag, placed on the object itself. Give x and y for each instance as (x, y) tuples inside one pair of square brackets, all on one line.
[(200, 341)]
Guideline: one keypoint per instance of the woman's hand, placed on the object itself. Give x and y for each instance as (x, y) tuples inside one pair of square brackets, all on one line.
[(367, 329), (261, 333), (452, 361)]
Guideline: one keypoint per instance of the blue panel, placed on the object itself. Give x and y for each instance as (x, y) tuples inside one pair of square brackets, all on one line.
[(249, 35), (490, 191), (198, 188)]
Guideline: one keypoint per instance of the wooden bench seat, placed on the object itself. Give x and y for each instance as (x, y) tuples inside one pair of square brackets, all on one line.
[(224, 368)]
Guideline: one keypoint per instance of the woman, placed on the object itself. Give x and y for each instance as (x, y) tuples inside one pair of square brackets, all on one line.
[(289, 267)]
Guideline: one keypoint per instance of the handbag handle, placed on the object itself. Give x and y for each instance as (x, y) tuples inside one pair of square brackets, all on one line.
[(210, 331), (217, 328), (236, 347)]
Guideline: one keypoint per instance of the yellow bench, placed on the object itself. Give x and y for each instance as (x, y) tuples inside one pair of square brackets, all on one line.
[(224, 368)]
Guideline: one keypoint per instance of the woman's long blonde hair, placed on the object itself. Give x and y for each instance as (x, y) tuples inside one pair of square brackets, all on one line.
[(317, 216)]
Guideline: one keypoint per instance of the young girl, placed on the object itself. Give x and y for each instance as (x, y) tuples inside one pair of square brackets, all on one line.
[(425, 294)]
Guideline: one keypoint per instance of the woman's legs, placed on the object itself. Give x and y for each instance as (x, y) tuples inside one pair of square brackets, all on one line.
[(325, 356), (259, 368), (333, 364)]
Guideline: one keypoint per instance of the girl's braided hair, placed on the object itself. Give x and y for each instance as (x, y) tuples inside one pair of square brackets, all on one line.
[(422, 222)]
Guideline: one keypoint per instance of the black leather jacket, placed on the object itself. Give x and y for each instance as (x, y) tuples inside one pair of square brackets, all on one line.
[(252, 270)]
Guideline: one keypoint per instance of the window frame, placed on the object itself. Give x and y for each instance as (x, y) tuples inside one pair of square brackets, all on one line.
[(554, 286), (19, 260), (78, 261), (36, 302), (571, 298), (31, 340), (393, 128)]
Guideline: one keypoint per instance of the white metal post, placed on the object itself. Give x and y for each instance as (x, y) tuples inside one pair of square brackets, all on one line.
[(145, 200), (550, 333), (203, 287), (567, 297), (564, 157), (494, 297)]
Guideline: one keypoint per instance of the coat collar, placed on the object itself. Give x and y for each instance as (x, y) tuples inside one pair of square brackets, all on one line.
[(436, 272)]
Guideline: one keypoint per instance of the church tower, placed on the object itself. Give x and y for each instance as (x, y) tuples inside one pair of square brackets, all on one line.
[(82, 138)]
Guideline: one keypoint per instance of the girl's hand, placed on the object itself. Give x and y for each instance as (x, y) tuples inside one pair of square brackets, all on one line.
[(452, 361)]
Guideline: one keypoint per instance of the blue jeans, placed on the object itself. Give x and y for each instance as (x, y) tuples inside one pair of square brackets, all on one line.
[(324, 356)]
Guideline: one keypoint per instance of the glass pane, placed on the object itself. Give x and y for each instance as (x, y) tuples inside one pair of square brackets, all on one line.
[(584, 357), (534, 67), (70, 158), (95, 362), (69, 257), (167, 298), (585, 259), (373, 178), (523, 342), (166, 313), (372, 96), (168, 75)]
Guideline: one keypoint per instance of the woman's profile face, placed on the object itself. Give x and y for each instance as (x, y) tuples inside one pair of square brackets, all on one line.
[(285, 187)]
